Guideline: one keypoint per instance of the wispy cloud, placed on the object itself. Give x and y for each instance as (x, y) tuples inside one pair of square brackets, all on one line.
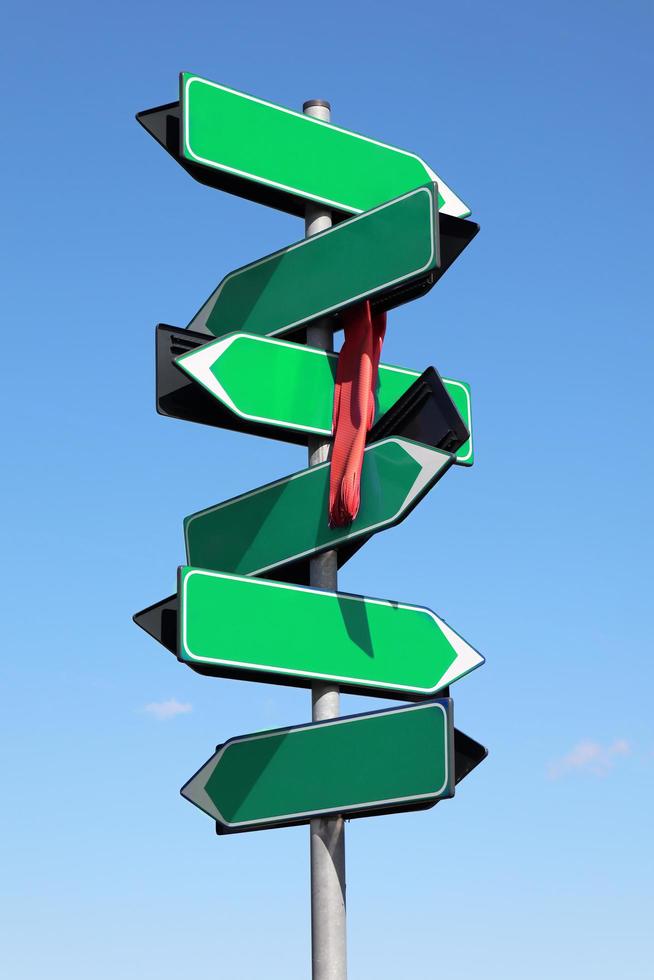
[(165, 710), (588, 756)]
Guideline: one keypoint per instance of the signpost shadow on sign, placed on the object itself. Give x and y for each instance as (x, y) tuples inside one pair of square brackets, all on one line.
[(355, 621)]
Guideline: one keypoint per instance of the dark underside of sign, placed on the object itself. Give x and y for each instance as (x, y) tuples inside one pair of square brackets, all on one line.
[(163, 123), (424, 413)]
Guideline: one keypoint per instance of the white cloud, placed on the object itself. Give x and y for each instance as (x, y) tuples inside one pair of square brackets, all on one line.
[(590, 757), (165, 710)]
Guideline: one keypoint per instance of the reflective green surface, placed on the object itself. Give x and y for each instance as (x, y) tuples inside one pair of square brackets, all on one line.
[(290, 152), (282, 521), (235, 623), (387, 760), (363, 257)]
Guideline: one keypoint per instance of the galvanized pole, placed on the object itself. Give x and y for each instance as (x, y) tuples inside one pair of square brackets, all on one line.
[(328, 930)]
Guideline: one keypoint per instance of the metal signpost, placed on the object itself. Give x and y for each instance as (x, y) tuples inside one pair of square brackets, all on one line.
[(258, 599), (326, 833)]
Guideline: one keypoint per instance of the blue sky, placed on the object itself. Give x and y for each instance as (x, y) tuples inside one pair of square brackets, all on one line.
[(540, 555)]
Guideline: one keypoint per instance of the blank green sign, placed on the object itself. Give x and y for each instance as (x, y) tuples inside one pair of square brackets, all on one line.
[(290, 152), (287, 520), (232, 623), (389, 760), (360, 258)]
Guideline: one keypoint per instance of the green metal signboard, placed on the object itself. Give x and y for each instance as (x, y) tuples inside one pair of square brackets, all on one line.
[(249, 140), (284, 521), (384, 761), (292, 386), (255, 628), (390, 253)]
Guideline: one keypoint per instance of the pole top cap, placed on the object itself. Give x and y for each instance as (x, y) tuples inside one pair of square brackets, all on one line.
[(316, 102)]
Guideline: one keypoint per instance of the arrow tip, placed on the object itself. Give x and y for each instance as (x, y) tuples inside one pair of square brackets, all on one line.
[(195, 789), (467, 658)]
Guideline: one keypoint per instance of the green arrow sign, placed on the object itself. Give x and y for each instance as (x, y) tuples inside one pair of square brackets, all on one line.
[(284, 521), (292, 386), (252, 627), (385, 761), (252, 141), (391, 253)]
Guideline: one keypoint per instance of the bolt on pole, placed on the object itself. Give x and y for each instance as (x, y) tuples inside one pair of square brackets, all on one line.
[(327, 835)]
